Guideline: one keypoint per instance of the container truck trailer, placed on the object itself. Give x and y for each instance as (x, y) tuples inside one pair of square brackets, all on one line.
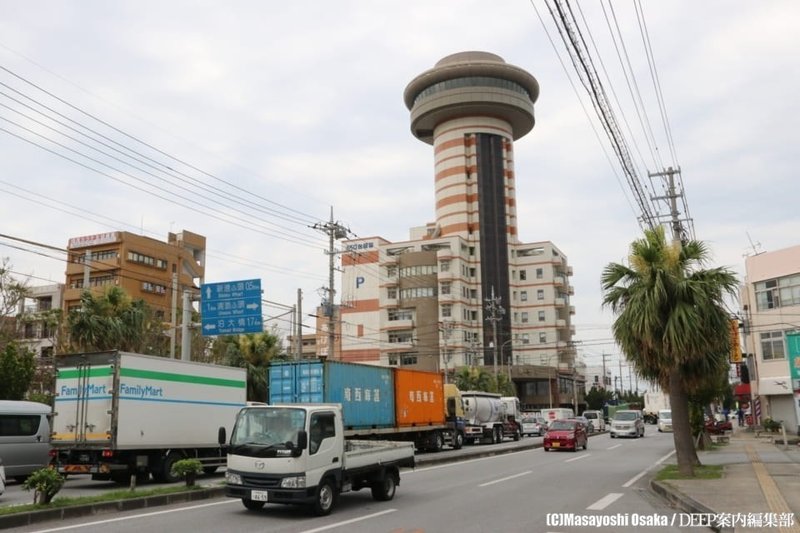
[(298, 454), (377, 402), (119, 414)]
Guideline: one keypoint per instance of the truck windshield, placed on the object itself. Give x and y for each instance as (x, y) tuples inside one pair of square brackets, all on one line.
[(268, 426)]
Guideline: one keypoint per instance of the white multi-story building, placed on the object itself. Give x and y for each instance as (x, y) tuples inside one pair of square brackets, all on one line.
[(770, 300), (464, 290), (38, 326)]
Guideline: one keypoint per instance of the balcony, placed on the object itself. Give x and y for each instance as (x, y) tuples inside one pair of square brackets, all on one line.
[(561, 302), (571, 309), (561, 323), (559, 280)]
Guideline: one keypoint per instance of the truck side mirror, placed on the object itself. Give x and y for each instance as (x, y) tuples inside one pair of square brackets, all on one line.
[(302, 443), (221, 436)]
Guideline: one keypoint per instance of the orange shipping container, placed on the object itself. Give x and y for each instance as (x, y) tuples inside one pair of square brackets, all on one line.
[(419, 398)]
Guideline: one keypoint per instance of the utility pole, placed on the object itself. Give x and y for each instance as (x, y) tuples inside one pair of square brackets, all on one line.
[(299, 324), (335, 231), (173, 330), (621, 383), (604, 370), (496, 313), (446, 329)]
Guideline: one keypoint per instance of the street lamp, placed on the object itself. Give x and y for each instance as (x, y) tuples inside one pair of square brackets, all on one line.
[(550, 379)]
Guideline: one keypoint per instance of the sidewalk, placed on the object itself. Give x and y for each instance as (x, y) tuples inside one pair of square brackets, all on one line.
[(760, 479)]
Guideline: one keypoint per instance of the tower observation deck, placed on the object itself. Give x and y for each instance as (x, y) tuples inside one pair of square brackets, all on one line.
[(471, 84)]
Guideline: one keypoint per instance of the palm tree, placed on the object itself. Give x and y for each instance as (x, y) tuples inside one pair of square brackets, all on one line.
[(253, 351), (671, 322)]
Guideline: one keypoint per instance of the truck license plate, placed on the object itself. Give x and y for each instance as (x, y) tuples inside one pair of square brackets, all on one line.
[(259, 495)]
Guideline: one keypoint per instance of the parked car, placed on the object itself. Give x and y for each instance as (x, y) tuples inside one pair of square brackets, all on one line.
[(627, 424), (665, 420), (532, 425), (565, 435), (586, 422), (2, 478), (24, 437), (596, 418)]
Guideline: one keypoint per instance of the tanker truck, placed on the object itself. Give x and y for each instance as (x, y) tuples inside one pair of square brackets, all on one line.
[(489, 417)]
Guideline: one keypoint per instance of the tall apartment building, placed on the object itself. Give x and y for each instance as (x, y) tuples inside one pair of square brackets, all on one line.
[(464, 290), (770, 299), (144, 267)]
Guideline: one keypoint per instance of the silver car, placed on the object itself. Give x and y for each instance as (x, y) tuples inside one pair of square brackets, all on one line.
[(627, 424)]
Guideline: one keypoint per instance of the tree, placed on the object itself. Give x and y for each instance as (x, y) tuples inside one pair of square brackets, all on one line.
[(671, 322), (475, 378), (596, 398), (17, 367), (112, 321), (12, 293), (253, 351)]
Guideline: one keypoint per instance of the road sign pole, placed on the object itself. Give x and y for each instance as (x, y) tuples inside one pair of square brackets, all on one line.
[(186, 340)]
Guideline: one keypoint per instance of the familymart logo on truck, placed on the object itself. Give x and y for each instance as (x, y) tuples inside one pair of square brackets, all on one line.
[(88, 390), (140, 391)]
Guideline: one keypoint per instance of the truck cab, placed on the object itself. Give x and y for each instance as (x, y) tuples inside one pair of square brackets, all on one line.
[(297, 454)]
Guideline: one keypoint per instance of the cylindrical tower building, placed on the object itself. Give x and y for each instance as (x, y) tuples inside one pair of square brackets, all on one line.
[(472, 106)]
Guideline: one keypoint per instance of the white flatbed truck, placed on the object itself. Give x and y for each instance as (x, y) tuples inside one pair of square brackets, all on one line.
[(298, 454)]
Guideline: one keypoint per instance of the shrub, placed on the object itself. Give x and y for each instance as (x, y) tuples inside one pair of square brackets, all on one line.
[(187, 469), (772, 425), (45, 483)]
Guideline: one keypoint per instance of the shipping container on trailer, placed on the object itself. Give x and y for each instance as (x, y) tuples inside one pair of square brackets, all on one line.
[(377, 402)]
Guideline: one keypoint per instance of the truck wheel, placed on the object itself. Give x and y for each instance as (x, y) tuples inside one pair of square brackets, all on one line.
[(384, 490), (498, 435), (326, 498), (166, 475), (252, 505), (438, 442), (458, 440), (517, 434)]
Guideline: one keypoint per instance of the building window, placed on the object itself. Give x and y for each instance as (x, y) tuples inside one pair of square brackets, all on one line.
[(524, 317), (391, 293), (524, 338), (542, 338), (403, 359), (523, 275), (540, 294), (447, 311), (400, 314), (444, 288), (541, 316), (444, 266), (154, 288), (772, 345), (779, 292), (136, 257), (391, 271), (523, 295), (417, 292), (539, 273), (400, 336)]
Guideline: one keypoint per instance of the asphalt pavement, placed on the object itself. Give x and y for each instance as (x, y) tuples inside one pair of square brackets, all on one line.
[(759, 490)]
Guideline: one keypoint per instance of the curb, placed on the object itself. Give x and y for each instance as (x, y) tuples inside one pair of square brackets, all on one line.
[(685, 503), (77, 511)]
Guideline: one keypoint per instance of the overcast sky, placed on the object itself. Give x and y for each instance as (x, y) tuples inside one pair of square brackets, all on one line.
[(277, 111)]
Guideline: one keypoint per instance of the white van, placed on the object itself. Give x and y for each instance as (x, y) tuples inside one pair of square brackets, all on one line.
[(24, 437), (596, 418), (665, 420)]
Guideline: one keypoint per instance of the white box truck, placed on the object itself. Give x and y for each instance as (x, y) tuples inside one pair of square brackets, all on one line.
[(119, 414), (298, 454)]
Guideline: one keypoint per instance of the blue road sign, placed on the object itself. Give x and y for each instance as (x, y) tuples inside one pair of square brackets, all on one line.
[(231, 307)]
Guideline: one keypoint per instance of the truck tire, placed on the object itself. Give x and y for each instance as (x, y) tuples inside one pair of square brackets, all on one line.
[(517, 434), (325, 499), (498, 435), (458, 440), (437, 441), (383, 490), (165, 475), (252, 505)]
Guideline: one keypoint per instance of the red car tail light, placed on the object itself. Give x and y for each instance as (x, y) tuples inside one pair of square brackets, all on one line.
[(108, 453)]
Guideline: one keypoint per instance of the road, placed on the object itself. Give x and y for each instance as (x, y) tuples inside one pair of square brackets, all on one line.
[(505, 493)]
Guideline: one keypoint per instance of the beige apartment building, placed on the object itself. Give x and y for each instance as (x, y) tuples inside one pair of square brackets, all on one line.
[(144, 267), (770, 300), (464, 290)]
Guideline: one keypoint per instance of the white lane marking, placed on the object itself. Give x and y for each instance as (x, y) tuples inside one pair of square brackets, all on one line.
[(605, 501), (458, 463), (505, 479), (614, 446), (154, 513), (352, 520), (578, 458), (638, 476)]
